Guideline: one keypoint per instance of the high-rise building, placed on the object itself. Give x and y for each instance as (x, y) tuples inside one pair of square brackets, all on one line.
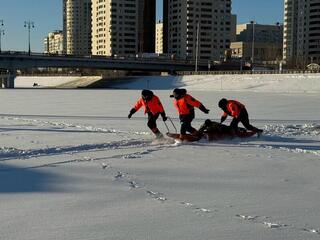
[(301, 32), (53, 43), (233, 27), (258, 42), (77, 26), (123, 27), (159, 37), (197, 25), (262, 33)]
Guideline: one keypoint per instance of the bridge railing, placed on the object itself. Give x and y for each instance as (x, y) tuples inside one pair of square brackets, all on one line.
[(289, 71), (120, 58)]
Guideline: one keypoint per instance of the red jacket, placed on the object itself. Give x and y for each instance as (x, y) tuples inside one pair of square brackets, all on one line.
[(233, 107), (185, 104), (154, 105)]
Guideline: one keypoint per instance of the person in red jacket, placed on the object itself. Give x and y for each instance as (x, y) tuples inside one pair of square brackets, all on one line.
[(239, 113), (153, 107), (185, 105)]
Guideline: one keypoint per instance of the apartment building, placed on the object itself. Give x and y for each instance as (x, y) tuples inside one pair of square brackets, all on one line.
[(53, 43), (258, 42), (159, 37), (202, 26), (77, 27), (262, 33), (123, 27), (301, 32)]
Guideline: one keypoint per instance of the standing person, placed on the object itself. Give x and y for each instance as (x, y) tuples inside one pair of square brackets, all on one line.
[(152, 107), (185, 105), (239, 113)]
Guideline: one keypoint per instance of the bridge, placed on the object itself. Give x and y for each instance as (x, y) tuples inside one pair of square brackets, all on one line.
[(12, 61)]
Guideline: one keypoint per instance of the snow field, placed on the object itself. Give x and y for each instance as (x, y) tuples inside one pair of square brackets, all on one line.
[(72, 166)]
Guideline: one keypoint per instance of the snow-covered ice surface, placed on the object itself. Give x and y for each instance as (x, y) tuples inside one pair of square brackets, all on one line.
[(72, 166)]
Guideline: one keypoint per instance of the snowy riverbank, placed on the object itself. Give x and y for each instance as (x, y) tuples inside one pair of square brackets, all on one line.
[(308, 83)]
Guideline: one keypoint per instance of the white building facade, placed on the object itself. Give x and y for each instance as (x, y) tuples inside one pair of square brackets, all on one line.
[(159, 37), (301, 43), (123, 27), (197, 25), (77, 27), (53, 43)]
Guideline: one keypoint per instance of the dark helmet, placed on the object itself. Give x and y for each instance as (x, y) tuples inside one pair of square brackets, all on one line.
[(223, 103), (207, 122), (178, 93), (146, 94)]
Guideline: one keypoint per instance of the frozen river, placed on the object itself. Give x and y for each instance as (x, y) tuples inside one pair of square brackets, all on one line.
[(73, 166)]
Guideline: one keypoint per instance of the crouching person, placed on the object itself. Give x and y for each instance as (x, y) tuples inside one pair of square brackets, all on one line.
[(239, 113), (185, 104), (153, 107)]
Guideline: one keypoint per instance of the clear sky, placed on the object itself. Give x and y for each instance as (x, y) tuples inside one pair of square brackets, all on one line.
[(47, 17)]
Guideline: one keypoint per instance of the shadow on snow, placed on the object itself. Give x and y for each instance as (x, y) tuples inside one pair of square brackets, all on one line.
[(21, 180)]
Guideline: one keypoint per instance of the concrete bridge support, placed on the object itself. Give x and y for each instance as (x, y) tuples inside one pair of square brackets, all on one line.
[(1, 80), (8, 81)]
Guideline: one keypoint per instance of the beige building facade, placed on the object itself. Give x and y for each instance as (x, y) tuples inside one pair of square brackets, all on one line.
[(301, 32), (258, 42), (263, 52), (197, 26), (122, 27), (77, 27), (53, 43), (262, 33), (159, 37)]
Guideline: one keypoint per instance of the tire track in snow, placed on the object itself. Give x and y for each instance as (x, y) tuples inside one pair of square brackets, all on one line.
[(13, 153), (75, 126)]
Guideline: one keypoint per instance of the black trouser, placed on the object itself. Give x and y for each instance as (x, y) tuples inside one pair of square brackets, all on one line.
[(152, 121), (244, 119), (185, 121)]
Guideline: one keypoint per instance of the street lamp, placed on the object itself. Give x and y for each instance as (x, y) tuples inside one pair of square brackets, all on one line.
[(29, 25), (1, 32), (252, 50), (197, 47)]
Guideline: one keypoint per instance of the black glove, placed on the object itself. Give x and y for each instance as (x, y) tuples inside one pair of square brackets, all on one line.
[(132, 111), (164, 117), (203, 109), (223, 118)]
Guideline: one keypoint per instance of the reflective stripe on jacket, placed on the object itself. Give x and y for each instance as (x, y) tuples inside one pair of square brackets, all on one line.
[(233, 108), (154, 105), (185, 104)]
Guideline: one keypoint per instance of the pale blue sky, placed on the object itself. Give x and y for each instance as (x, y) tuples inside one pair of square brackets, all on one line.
[(47, 16)]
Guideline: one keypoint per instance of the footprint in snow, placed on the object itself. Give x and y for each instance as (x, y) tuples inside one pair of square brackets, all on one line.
[(105, 166), (316, 231), (157, 196), (247, 217), (120, 175), (198, 209), (133, 184), (274, 225)]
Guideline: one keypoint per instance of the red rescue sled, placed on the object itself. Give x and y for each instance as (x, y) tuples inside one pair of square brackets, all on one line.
[(184, 137), (210, 136)]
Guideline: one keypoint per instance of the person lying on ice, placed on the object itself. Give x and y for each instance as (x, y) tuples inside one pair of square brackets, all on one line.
[(185, 105), (215, 128), (239, 113), (152, 107)]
